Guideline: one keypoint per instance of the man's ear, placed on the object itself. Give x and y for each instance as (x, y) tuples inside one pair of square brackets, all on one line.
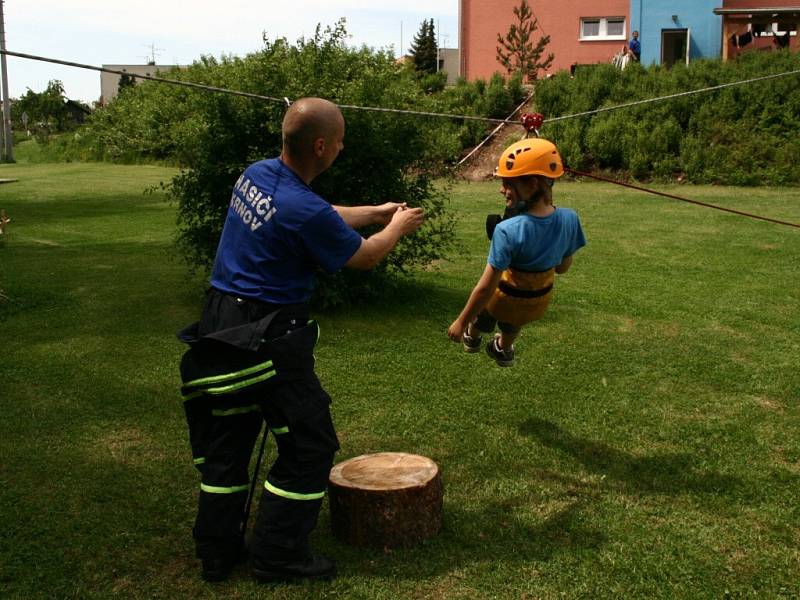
[(319, 147)]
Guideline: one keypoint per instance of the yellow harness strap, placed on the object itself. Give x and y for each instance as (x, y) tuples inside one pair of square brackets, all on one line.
[(517, 310)]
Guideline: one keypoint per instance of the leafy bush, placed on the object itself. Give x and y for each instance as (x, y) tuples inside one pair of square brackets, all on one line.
[(215, 136), (742, 135), (387, 156)]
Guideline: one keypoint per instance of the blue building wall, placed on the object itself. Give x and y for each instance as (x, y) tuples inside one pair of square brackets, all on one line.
[(649, 17)]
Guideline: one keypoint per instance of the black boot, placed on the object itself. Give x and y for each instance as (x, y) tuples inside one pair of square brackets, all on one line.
[(219, 568), (315, 567)]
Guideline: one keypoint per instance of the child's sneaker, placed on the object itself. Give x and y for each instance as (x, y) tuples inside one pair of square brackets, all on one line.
[(504, 358), (471, 343)]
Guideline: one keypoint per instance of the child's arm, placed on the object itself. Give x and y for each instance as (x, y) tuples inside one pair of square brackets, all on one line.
[(480, 296), (566, 263)]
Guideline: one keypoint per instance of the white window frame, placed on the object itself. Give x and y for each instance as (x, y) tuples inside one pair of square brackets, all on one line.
[(776, 30), (603, 34), (770, 29)]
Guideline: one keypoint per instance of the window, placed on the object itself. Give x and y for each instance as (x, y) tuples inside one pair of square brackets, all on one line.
[(602, 28), (590, 28), (615, 27)]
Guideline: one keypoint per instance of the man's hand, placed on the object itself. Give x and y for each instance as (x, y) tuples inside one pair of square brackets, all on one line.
[(403, 221), (406, 220), (384, 212)]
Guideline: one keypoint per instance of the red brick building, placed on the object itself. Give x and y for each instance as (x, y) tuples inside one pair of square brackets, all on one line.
[(593, 31), (581, 31), (763, 20)]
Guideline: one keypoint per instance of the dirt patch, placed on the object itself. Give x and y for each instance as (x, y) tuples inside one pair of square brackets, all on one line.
[(129, 446), (480, 166), (768, 403)]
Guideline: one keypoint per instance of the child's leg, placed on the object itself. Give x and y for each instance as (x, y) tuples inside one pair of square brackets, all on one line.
[(508, 333), (483, 324)]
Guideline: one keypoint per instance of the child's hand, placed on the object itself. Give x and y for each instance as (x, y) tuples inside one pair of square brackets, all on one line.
[(456, 330)]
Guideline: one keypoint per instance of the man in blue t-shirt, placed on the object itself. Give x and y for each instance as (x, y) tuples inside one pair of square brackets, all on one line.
[(634, 48), (251, 353)]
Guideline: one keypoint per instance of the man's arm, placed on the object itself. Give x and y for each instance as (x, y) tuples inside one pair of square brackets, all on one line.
[(377, 246), (478, 299), (361, 216)]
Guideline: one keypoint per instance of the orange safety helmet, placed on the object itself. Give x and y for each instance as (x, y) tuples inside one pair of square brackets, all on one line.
[(531, 156)]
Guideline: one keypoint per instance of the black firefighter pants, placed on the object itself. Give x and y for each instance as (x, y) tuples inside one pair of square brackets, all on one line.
[(223, 432)]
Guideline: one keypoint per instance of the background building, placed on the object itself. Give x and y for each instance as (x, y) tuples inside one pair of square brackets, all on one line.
[(677, 31), (448, 62), (109, 82), (581, 31), (763, 21), (588, 32)]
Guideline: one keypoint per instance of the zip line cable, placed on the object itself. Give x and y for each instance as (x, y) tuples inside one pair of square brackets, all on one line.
[(495, 130), (671, 96), (682, 199), (210, 88), (508, 120), (393, 110)]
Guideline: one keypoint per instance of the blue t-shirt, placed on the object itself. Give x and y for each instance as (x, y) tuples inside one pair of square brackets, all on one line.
[(635, 46), (276, 234), (530, 243)]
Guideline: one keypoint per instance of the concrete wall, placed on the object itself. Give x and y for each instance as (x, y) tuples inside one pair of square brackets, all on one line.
[(482, 20), (448, 62), (651, 17), (109, 82)]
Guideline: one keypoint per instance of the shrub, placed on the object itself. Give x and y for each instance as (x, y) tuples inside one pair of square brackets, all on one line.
[(742, 135), (215, 136)]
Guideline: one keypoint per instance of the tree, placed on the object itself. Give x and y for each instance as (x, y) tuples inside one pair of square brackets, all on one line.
[(46, 110), (517, 51), (125, 81), (424, 49), (214, 136)]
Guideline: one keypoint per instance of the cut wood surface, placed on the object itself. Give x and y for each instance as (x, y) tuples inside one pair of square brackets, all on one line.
[(386, 499)]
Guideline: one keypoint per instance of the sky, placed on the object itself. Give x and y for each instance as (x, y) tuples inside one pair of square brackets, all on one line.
[(98, 32)]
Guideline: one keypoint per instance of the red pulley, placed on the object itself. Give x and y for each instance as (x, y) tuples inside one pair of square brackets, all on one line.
[(532, 122)]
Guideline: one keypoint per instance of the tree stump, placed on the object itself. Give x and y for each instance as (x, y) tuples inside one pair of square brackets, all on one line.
[(385, 500)]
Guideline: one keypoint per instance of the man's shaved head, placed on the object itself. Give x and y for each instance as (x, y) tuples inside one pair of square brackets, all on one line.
[(307, 120)]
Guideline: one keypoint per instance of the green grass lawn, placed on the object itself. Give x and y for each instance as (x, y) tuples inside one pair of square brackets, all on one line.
[(646, 444)]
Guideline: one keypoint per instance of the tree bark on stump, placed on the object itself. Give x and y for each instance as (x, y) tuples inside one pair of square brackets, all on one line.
[(385, 500)]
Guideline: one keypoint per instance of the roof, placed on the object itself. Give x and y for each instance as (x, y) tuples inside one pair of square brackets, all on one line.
[(783, 11), (79, 106)]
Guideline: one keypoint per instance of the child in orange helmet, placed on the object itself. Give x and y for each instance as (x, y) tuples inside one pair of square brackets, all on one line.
[(526, 252)]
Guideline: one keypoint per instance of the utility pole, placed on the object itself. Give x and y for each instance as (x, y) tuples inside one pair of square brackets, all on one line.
[(9, 141), (437, 45)]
